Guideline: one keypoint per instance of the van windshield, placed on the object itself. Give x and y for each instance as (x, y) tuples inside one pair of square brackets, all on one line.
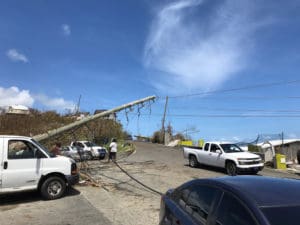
[(44, 149), (231, 148)]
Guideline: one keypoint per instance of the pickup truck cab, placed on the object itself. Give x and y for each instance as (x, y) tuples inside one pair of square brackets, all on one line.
[(224, 155), (27, 165)]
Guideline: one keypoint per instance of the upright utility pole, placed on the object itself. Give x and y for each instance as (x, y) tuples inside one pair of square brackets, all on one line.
[(78, 105), (164, 118)]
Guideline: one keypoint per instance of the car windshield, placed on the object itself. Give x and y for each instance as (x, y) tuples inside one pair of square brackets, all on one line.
[(283, 215), (231, 148), (52, 155), (90, 144)]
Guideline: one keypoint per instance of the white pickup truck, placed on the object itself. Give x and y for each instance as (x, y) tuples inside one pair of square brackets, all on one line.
[(27, 165), (224, 155)]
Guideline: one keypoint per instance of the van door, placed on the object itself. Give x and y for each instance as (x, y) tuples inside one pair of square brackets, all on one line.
[(23, 168), (1, 161)]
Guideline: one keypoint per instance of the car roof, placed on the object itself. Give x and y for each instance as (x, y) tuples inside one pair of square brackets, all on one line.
[(264, 191)]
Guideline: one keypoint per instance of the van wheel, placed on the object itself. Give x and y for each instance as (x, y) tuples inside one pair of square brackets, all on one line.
[(193, 162), (53, 188), (231, 168)]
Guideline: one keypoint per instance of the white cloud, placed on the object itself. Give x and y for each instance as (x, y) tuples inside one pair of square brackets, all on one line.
[(66, 29), (14, 96), (194, 51), (16, 56), (59, 104)]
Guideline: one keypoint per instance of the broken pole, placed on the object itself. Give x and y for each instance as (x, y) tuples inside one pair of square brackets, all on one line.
[(70, 126)]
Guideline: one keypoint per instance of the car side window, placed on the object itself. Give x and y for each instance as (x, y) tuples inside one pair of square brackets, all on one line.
[(206, 146), (19, 149), (197, 201), (232, 211)]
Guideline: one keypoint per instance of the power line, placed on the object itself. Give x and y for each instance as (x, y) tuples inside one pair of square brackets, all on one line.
[(238, 89), (242, 110), (228, 116), (252, 97)]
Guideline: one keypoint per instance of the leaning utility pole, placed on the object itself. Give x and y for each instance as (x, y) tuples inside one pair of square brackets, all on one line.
[(70, 126)]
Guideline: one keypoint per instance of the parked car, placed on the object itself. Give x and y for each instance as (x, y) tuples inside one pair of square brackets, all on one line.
[(27, 165), (75, 153), (93, 151), (238, 200)]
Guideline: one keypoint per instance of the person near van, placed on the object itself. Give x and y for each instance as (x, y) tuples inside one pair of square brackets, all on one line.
[(113, 150), (56, 149)]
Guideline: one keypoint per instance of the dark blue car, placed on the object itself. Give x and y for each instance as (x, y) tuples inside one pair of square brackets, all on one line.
[(239, 200)]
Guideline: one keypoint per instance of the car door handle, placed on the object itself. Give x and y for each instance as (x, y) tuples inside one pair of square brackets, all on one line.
[(5, 165)]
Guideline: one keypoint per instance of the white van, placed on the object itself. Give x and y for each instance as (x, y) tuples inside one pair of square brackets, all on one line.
[(27, 165)]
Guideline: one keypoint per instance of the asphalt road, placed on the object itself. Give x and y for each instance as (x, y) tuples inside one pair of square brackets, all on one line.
[(29, 208), (119, 200)]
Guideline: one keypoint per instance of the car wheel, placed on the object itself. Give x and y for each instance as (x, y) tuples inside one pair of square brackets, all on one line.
[(231, 168), (193, 162), (89, 156), (53, 188)]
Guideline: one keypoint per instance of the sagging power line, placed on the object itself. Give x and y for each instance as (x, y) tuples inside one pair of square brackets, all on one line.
[(238, 89)]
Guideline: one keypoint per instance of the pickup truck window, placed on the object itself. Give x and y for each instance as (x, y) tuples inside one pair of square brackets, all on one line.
[(231, 148), (206, 147), (214, 147), (20, 149)]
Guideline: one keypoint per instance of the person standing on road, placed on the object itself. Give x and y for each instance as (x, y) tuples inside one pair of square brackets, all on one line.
[(113, 150)]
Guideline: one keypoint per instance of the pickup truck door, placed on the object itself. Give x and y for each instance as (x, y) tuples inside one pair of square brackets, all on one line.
[(203, 156), (215, 158), (21, 168)]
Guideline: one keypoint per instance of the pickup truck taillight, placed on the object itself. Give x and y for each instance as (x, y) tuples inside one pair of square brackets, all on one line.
[(74, 170)]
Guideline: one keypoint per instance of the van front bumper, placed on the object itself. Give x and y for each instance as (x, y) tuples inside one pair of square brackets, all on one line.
[(72, 179)]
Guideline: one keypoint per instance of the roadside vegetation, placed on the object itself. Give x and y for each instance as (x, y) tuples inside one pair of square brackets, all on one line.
[(100, 131)]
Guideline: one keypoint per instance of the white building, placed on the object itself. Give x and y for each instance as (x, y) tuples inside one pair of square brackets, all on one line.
[(17, 109)]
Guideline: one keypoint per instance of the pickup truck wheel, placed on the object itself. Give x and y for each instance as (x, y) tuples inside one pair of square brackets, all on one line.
[(231, 168), (53, 188), (193, 162)]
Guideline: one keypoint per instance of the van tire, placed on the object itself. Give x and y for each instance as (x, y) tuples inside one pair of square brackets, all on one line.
[(193, 162), (53, 188)]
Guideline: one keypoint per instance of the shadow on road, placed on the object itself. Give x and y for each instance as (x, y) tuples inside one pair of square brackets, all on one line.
[(29, 196), (204, 167)]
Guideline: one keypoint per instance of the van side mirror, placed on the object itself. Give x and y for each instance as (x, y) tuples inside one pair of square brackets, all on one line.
[(218, 151), (39, 154)]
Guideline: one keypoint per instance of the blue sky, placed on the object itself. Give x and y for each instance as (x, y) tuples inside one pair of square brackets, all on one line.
[(114, 52)]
